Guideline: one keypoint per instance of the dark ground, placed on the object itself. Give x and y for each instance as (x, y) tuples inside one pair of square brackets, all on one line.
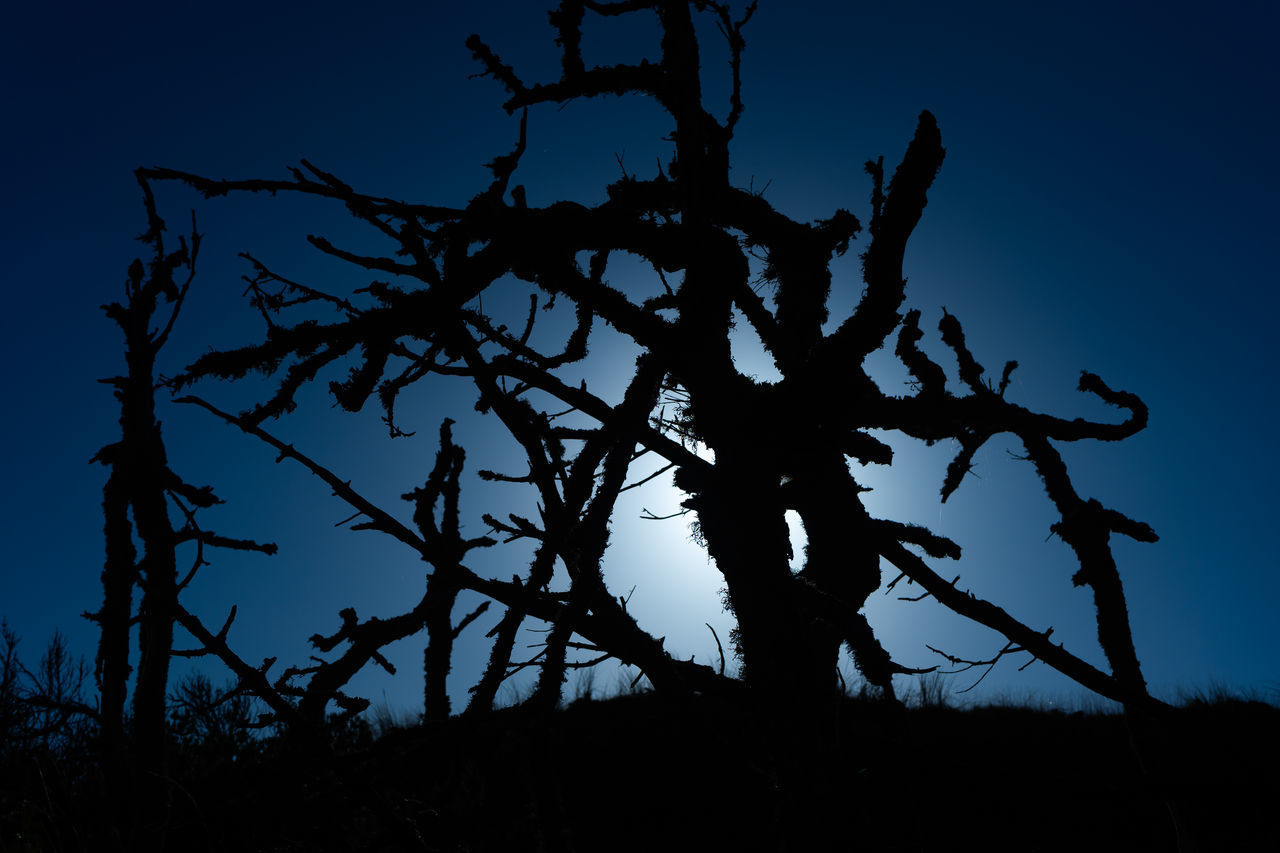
[(641, 773)]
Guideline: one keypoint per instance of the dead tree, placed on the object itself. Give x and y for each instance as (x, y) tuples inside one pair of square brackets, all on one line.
[(301, 709), (777, 445), (140, 493)]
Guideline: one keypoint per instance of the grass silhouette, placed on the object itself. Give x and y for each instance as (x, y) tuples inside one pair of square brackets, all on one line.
[(639, 771)]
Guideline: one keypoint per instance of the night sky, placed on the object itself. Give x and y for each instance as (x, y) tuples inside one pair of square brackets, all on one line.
[(1106, 204)]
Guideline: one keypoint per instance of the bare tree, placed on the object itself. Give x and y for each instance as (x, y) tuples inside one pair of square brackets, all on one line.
[(139, 496), (774, 445)]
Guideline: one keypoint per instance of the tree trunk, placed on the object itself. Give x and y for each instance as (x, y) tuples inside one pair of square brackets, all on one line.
[(119, 574), (787, 655)]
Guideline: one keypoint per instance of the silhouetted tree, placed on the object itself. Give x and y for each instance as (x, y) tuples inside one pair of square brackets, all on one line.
[(137, 498), (774, 445)]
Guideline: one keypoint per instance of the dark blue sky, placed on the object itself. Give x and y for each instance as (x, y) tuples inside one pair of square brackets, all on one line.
[(1106, 204)]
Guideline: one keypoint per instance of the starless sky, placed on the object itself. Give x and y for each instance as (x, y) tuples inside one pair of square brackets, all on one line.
[(1107, 203)]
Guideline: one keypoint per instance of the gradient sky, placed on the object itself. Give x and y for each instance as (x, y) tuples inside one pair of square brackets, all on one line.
[(1107, 203)]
